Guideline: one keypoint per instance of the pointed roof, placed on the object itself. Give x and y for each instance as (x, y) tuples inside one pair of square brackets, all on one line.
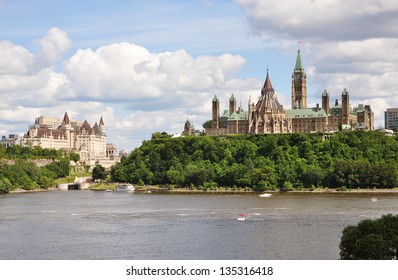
[(215, 98), (232, 97), (267, 84), (345, 92), (325, 93), (66, 119), (101, 123), (299, 65)]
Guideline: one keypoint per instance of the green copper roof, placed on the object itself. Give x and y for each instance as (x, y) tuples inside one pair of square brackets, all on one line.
[(215, 98), (325, 93), (299, 65), (345, 92), (232, 97), (305, 113)]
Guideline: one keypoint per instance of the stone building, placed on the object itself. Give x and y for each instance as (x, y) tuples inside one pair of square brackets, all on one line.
[(268, 115), (88, 141)]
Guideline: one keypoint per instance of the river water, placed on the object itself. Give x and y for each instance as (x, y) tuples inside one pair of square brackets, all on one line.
[(109, 225)]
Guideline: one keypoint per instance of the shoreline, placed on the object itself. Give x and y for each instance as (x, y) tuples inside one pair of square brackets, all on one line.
[(158, 189)]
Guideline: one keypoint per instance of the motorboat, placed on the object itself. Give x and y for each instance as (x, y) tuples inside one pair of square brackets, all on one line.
[(124, 188), (374, 199), (108, 190), (265, 195), (241, 217)]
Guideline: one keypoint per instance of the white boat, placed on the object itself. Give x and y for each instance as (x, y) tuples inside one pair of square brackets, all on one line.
[(374, 199), (265, 195), (124, 188), (108, 190), (241, 217)]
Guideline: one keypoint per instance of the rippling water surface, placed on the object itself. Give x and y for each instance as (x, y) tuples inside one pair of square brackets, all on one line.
[(101, 225)]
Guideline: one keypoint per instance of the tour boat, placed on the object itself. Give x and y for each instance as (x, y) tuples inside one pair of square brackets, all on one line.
[(265, 195), (124, 188), (241, 217)]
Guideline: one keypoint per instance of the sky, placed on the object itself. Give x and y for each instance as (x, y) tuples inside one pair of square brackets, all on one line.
[(148, 66)]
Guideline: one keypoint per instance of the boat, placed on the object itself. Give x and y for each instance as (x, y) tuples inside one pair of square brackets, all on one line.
[(374, 199), (124, 188), (265, 195), (108, 190), (241, 217)]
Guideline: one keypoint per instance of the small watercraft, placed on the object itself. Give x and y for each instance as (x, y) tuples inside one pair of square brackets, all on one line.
[(265, 195), (241, 217)]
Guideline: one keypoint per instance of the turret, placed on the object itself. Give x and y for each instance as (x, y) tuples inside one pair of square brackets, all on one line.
[(325, 101), (232, 105), (216, 112), (345, 107), (299, 85)]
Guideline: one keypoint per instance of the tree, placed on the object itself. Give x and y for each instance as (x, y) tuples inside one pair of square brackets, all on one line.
[(74, 156), (371, 240), (5, 185), (99, 172)]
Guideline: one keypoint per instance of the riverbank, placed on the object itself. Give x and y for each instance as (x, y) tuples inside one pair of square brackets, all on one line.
[(170, 189)]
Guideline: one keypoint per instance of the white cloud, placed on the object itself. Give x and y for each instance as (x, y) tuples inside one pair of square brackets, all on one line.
[(15, 60), (137, 92), (53, 46), (124, 71), (326, 19)]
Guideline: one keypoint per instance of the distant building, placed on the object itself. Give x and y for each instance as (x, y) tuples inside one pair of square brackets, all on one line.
[(269, 116), (88, 141), (189, 129), (11, 140), (391, 118)]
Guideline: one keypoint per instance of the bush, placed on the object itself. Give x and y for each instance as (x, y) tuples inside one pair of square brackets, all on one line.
[(371, 240)]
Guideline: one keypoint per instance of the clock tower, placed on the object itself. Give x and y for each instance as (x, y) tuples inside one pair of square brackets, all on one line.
[(299, 85)]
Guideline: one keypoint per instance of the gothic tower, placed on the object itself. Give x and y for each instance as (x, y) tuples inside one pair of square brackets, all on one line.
[(232, 105), (345, 107), (299, 85), (325, 101), (216, 112)]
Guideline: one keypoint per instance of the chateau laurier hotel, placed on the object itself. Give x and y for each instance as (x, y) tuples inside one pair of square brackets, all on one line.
[(269, 116)]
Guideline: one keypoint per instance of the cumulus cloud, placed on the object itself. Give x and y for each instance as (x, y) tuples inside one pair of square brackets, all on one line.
[(128, 72), (325, 20), (136, 91), (53, 46)]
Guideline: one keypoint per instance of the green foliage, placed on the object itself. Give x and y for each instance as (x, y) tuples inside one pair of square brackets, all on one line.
[(371, 240), (99, 172), (20, 171), (350, 159)]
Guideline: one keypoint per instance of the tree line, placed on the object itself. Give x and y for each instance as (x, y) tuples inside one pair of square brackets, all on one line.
[(348, 159), (18, 170)]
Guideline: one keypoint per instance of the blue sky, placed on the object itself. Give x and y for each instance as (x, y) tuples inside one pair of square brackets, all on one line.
[(147, 66)]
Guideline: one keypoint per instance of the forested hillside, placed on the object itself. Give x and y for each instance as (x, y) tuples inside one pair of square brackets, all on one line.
[(18, 170), (286, 161)]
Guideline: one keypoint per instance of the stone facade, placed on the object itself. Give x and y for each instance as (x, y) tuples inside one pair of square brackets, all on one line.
[(88, 141)]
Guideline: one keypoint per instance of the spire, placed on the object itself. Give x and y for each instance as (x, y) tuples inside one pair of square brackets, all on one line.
[(267, 85), (66, 119), (101, 123), (299, 65)]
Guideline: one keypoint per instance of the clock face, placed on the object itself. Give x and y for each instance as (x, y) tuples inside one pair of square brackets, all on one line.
[(298, 77)]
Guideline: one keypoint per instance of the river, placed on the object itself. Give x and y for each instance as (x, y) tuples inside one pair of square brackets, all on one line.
[(108, 225)]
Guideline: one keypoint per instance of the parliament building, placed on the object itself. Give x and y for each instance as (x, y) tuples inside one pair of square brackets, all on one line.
[(269, 116)]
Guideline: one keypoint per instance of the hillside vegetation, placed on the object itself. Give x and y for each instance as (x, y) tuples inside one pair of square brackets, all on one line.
[(346, 160), (18, 168)]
